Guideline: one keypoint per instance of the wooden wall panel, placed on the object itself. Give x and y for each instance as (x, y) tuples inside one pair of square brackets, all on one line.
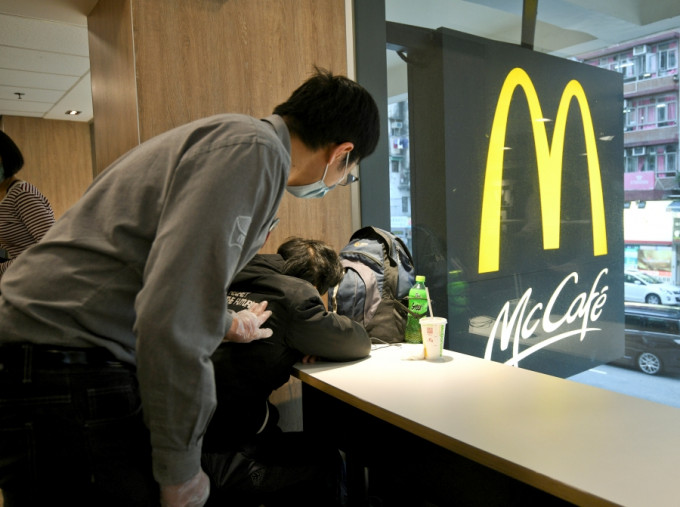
[(57, 157), (204, 57), (199, 58), (112, 69)]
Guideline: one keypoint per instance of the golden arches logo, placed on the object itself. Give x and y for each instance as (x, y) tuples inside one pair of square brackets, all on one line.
[(549, 161)]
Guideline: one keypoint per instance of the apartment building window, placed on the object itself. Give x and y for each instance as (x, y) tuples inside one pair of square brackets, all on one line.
[(629, 67), (662, 159), (636, 160), (623, 63), (651, 112), (668, 57), (670, 160), (643, 61)]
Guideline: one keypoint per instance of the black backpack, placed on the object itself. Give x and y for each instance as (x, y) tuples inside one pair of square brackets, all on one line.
[(379, 273)]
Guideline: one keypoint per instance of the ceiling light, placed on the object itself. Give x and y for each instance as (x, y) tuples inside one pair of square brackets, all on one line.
[(71, 112)]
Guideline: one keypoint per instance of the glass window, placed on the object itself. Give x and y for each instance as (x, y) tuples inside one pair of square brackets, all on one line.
[(635, 322), (450, 119), (661, 325), (650, 112), (667, 57), (400, 180), (641, 115), (653, 61)]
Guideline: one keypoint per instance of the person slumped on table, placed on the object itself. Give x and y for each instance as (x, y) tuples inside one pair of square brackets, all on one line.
[(25, 213), (109, 323), (249, 460)]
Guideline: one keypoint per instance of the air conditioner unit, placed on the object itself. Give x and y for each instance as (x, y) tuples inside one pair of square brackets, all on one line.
[(639, 150), (639, 50)]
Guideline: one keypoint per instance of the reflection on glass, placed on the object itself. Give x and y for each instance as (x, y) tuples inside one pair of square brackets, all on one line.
[(400, 169)]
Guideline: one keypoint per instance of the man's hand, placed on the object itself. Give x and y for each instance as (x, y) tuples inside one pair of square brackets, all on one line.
[(192, 493), (246, 324)]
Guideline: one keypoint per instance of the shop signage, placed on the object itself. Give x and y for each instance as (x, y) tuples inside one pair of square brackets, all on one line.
[(644, 180), (549, 160), (522, 321), (519, 186)]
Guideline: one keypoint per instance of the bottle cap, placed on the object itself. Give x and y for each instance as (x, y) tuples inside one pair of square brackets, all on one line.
[(420, 278)]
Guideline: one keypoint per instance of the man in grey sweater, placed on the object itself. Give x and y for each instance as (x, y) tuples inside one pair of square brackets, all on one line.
[(109, 323)]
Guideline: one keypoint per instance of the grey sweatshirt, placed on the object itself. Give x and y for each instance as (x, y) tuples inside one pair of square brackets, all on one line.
[(140, 265)]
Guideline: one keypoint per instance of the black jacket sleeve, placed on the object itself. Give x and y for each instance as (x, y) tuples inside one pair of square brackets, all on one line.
[(315, 331)]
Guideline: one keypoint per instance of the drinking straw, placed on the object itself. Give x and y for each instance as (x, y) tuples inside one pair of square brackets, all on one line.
[(429, 303)]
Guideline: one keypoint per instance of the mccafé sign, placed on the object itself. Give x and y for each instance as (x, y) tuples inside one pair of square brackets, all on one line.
[(549, 158), (517, 200), (521, 321)]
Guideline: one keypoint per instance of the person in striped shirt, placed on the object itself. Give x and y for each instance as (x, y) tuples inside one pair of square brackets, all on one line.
[(25, 213)]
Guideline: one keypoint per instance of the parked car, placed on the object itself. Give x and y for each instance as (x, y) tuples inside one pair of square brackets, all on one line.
[(644, 288), (652, 338)]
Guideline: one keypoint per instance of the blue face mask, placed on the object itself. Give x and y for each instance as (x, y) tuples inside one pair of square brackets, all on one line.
[(313, 190), (317, 189)]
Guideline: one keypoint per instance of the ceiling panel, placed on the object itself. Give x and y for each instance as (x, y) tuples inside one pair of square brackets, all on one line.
[(43, 62), (21, 78), (52, 36), (47, 96), (18, 107), (44, 55)]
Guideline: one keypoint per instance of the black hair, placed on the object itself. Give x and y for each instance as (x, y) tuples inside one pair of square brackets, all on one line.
[(12, 159), (329, 109), (313, 261)]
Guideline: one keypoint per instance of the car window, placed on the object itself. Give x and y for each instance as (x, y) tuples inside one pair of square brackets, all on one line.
[(635, 322), (662, 325), (648, 278)]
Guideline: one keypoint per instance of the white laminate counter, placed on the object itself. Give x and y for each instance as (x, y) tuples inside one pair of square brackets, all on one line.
[(580, 443)]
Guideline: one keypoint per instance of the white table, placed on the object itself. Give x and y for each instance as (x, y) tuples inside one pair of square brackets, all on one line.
[(577, 442)]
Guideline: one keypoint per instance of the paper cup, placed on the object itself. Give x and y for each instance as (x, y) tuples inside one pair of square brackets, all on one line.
[(433, 336)]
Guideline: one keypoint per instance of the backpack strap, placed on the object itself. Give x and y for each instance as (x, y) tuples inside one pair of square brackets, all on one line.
[(389, 239), (392, 272), (390, 263)]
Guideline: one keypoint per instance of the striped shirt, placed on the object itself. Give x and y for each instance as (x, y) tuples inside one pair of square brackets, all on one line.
[(25, 217)]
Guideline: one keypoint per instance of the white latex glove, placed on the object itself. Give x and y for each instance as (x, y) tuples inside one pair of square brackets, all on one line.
[(246, 324), (192, 493)]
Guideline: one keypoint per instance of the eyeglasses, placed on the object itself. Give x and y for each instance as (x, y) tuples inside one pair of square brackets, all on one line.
[(347, 178)]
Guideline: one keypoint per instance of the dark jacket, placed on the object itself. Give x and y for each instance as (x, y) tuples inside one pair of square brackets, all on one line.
[(246, 374)]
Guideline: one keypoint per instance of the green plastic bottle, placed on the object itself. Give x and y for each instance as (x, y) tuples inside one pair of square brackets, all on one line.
[(417, 303)]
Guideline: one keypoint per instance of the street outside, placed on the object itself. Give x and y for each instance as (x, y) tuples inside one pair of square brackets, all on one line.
[(663, 389)]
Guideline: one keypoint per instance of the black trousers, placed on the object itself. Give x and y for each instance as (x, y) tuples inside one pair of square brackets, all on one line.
[(71, 433), (276, 468)]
